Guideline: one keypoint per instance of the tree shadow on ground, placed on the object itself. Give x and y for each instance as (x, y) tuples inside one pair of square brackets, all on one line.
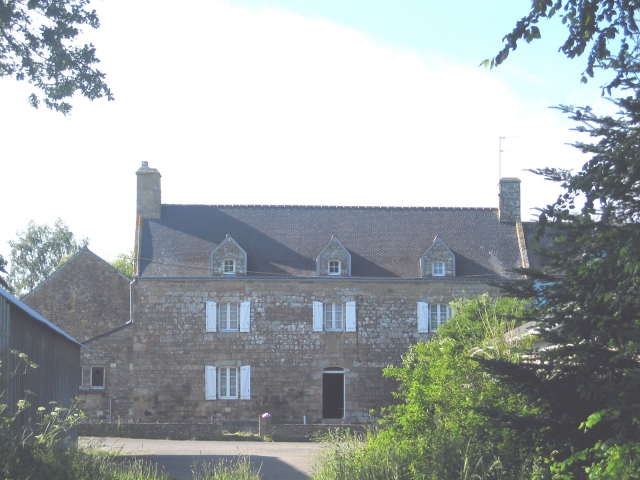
[(179, 466)]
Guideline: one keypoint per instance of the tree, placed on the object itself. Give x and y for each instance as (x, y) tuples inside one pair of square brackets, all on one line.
[(586, 293), (3, 265), (38, 43), (439, 429), (586, 302), (593, 26), (124, 263), (37, 252)]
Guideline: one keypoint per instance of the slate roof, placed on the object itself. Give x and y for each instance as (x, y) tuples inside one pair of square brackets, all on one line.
[(284, 241)]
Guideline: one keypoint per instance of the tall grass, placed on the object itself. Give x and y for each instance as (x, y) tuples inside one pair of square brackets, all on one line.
[(238, 469), (357, 457), (345, 456)]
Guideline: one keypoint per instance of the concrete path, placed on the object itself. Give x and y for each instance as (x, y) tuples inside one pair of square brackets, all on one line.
[(276, 460)]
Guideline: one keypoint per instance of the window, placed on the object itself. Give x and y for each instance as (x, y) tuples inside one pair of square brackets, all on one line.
[(333, 314), (438, 269), (334, 267), (224, 384), (97, 378), (228, 317), (334, 317), (439, 313), (229, 267), (228, 382)]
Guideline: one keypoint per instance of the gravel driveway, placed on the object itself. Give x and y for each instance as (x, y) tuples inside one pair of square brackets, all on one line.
[(276, 460)]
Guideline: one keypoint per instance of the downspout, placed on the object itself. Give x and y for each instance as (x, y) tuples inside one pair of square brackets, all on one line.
[(136, 262), (131, 299)]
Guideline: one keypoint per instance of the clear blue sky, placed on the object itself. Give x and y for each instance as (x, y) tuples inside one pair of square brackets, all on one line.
[(290, 102)]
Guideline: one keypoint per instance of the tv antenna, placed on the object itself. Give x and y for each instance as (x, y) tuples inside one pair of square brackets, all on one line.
[(500, 157)]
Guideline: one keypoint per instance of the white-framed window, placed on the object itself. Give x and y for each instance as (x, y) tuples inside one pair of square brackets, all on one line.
[(227, 382), (333, 317), (97, 378), (438, 269), (439, 313), (228, 266), (222, 382), (228, 317), (334, 267)]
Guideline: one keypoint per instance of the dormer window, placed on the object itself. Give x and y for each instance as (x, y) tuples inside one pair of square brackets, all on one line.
[(438, 269), (438, 260), (228, 258), (334, 267), (334, 260), (229, 267)]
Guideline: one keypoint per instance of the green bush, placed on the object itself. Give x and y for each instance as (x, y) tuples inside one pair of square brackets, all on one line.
[(441, 428)]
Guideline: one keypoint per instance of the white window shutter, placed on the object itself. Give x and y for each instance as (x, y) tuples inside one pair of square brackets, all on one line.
[(318, 316), (211, 316), (210, 382), (423, 317), (85, 382), (351, 317), (245, 317), (245, 382)]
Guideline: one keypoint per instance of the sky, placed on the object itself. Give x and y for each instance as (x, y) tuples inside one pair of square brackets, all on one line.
[(321, 102)]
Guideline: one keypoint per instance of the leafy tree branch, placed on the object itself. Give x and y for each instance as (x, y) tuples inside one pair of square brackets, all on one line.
[(39, 44)]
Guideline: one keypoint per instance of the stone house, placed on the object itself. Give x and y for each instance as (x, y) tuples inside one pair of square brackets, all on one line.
[(89, 299), (237, 310), (295, 310)]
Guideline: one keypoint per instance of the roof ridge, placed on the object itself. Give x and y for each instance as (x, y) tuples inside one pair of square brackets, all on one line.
[(355, 207)]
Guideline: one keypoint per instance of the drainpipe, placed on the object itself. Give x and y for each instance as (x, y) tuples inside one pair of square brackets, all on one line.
[(131, 299), (110, 416)]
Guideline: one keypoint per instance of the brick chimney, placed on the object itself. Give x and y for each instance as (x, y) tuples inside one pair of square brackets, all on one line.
[(509, 209), (148, 204)]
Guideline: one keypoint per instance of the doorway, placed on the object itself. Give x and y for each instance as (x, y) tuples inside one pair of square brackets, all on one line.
[(333, 392)]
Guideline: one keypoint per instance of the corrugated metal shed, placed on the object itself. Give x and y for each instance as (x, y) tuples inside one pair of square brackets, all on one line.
[(56, 354)]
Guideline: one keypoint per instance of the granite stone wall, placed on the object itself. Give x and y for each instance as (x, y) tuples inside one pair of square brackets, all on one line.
[(286, 357), (86, 297), (209, 431), (89, 299), (114, 353)]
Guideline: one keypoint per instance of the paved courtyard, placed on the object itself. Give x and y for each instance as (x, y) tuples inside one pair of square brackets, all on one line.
[(276, 460)]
